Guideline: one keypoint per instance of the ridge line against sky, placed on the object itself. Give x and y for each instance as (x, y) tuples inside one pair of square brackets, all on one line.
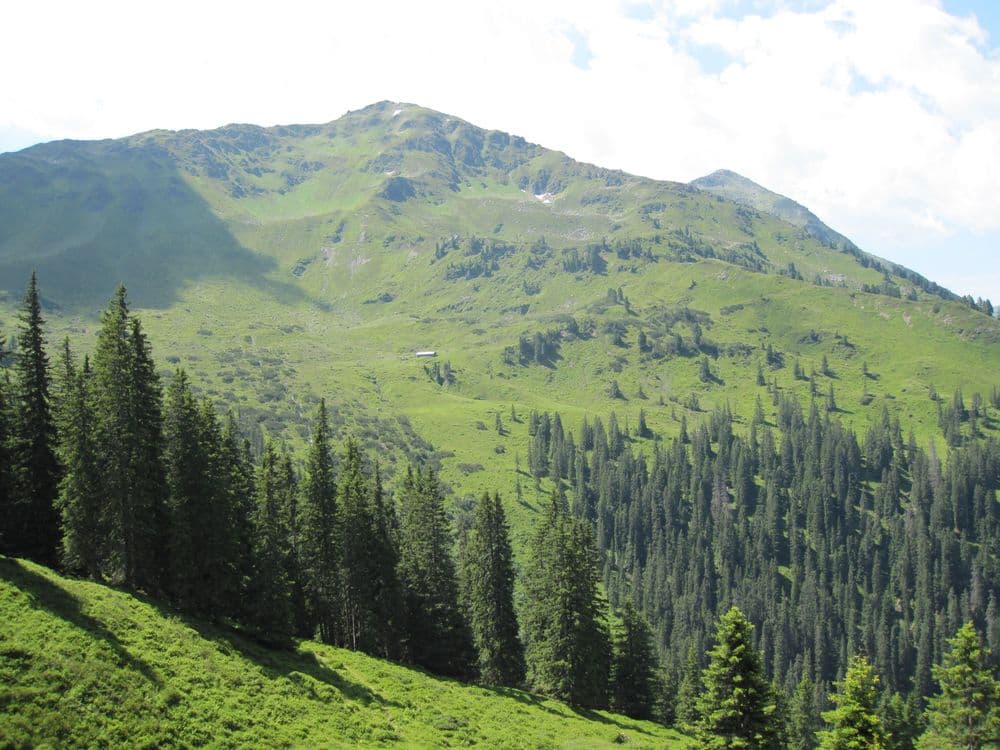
[(881, 117)]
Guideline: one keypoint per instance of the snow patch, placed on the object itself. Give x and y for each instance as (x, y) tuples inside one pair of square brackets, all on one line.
[(545, 198), (396, 112)]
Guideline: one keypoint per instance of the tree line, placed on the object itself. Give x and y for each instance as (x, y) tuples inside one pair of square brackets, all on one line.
[(109, 474)]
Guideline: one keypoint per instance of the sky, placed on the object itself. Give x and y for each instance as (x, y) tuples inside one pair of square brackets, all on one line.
[(881, 116)]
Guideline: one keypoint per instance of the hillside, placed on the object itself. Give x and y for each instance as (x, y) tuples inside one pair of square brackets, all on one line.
[(85, 665), (281, 265)]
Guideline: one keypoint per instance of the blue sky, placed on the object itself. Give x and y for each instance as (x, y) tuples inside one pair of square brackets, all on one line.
[(882, 116)]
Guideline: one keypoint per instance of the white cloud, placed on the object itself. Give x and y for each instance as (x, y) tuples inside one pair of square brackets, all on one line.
[(883, 117)]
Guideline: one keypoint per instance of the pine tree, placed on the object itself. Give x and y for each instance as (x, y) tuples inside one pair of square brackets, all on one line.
[(737, 706), (371, 600), (568, 650), (200, 547), (318, 531), (965, 714), (854, 722), (803, 719), (438, 637), (128, 440), (270, 614), (488, 583), (6, 480), (634, 685), (688, 690), (33, 525), (236, 470), (80, 499), (293, 553)]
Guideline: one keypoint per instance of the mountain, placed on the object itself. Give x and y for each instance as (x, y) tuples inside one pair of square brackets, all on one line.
[(739, 189), (91, 666), (746, 192), (281, 265)]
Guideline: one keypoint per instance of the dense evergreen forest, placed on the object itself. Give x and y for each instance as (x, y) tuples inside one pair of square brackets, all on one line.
[(832, 546), (866, 573)]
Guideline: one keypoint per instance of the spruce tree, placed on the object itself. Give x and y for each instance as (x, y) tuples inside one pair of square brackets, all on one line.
[(237, 479), (6, 479), (965, 714), (318, 532), (854, 723), (737, 705), (371, 601), (200, 546), (438, 637), (270, 614), (488, 582), (688, 690), (80, 499), (33, 525), (803, 719), (293, 556), (128, 441), (633, 666), (568, 649)]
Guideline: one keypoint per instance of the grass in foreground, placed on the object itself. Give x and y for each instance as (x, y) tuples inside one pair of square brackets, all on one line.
[(85, 665)]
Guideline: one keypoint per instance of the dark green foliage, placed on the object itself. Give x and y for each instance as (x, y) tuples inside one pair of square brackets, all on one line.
[(6, 494), (488, 592), (854, 723), (237, 479), (128, 437), (832, 545), (437, 635), (803, 719), (965, 713), (200, 546), (686, 704), (318, 531), (270, 613), (568, 649), (80, 499), (901, 720), (634, 685), (737, 706), (31, 526), (371, 598)]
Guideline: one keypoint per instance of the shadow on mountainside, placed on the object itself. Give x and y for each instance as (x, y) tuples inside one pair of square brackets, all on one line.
[(43, 593), (88, 215), (538, 702)]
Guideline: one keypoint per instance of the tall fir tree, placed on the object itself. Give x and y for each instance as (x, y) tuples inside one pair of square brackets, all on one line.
[(293, 556), (34, 520), (568, 649), (371, 600), (803, 719), (965, 713), (128, 439), (270, 614), (200, 547), (80, 498), (634, 683), (236, 467), (318, 533), (6, 479), (854, 723), (737, 706), (437, 635), (488, 583)]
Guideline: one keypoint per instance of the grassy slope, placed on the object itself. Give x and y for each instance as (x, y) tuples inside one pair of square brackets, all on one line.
[(212, 225), (85, 665)]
